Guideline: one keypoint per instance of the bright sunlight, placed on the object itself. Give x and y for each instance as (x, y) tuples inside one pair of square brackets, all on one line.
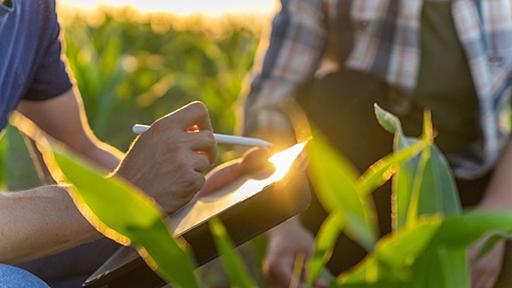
[(208, 8)]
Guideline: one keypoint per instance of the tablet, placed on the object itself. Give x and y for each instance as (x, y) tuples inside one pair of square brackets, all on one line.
[(248, 207)]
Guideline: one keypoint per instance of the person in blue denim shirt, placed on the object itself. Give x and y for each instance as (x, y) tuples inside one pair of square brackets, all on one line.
[(12, 277)]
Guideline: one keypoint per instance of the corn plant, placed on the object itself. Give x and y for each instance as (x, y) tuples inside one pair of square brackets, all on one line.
[(426, 248), (129, 72)]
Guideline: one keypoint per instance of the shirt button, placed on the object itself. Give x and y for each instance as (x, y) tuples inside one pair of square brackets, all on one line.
[(495, 59)]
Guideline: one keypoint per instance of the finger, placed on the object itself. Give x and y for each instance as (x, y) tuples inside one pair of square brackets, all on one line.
[(202, 140), (477, 274), (200, 162), (205, 142), (198, 181), (220, 178), (256, 160), (482, 275), (484, 280), (192, 114), (322, 283), (206, 154), (280, 274), (488, 273)]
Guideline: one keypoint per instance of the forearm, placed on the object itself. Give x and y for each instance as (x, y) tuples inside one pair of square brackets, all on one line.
[(102, 154), (499, 191), (69, 125), (39, 222)]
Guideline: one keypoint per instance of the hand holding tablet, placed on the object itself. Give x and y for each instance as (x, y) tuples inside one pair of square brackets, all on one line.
[(249, 205)]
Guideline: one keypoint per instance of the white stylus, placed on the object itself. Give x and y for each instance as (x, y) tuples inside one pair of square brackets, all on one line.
[(220, 138)]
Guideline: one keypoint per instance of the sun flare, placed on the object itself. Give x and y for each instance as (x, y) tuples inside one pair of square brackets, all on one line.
[(189, 7)]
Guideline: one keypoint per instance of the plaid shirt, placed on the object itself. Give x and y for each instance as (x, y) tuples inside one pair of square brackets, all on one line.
[(386, 43)]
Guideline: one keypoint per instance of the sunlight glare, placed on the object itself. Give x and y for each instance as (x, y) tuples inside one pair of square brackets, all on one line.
[(240, 190), (209, 8)]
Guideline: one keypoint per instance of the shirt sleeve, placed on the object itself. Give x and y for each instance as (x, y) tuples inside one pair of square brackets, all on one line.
[(297, 43), (51, 78)]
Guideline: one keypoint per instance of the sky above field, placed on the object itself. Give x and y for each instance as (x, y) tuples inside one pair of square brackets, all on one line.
[(186, 7)]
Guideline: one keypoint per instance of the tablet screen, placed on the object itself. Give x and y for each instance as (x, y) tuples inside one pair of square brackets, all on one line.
[(208, 206)]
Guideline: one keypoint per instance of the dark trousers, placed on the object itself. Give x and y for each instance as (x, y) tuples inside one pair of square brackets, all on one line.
[(340, 105), (69, 269)]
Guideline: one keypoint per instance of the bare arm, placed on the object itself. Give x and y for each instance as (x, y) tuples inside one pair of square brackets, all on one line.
[(44, 220), (64, 119), (38, 222), (162, 162)]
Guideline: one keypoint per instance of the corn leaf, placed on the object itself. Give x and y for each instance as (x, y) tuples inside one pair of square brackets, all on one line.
[(334, 180), (394, 255), (232, 263), (427, 178), (380, 172), (124, 214), (460, 231), (325, 240), (441, 267), (491, 242)]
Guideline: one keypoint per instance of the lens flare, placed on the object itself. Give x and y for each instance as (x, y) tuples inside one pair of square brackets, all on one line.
[(210, 205)]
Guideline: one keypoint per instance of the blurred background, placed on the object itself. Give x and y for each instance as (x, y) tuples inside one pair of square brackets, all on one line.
[(135, 61)]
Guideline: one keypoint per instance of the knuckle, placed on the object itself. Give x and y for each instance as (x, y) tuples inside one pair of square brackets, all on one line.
[(204, 164), (193, 182), (209, 139), (159, 125), (199, 108)]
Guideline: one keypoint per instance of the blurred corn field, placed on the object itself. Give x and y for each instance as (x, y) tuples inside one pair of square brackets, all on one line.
[(133, 68)]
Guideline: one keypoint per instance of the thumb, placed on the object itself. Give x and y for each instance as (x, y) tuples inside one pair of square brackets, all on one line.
[(220, 177), (280, 273), (256, 160)]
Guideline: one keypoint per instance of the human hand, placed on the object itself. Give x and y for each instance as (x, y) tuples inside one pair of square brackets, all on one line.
[(254, 160), (286, 243), (167, 162), (485, 271)]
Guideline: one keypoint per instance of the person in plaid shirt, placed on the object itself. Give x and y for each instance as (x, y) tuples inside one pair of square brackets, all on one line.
[(336, 58)]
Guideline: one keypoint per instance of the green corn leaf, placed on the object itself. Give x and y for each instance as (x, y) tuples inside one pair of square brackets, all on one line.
[(232, 263), (380, 172), (446, 255), (394, 255), (460, 231), (428, 177), (412, 213), (441, 267), (388, 121), (334, 180), (325, 240), (491, 242), (402, 184), (124, 214)]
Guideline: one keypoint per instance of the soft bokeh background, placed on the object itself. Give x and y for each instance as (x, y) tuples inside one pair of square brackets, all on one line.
[(135, 61)]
